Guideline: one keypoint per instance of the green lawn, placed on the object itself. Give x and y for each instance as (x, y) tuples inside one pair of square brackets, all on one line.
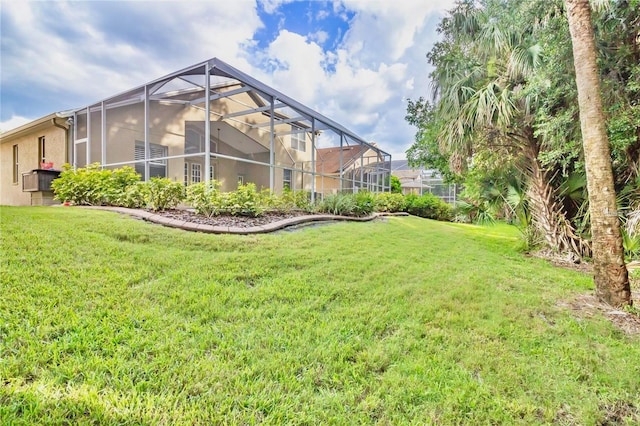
[(110, 320)]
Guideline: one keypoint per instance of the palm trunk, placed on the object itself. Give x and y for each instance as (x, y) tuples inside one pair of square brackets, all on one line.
[(546, 209), (610, 272)]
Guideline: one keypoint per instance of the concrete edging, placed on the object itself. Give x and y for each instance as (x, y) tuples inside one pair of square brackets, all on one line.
[(261, 229)]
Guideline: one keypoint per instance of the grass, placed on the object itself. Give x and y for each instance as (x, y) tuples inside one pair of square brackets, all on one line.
[(109, 320)]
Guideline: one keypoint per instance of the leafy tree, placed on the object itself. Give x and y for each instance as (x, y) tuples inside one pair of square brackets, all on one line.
[(396, 185), (483, 110)]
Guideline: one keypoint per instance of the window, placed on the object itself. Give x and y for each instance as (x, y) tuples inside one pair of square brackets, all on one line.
[(287, 176), (192, 173), (41, 150), (157, 168), (240, 180), (299, 140), (194, 141), (196, 170), (16, 169)]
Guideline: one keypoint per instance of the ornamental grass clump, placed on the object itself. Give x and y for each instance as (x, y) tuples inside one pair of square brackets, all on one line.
[(338, 204)]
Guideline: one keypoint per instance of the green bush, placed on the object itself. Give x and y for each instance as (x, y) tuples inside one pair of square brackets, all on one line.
[(121, 185), (245, 201), (389, 202), (287, 201), (365, 203), (338, 204), (205, 198), (134, 196), (429, 206), (93, 186), (396, 185), (163, 193)]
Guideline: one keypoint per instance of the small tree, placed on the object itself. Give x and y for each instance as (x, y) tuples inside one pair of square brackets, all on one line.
[(396, 185)]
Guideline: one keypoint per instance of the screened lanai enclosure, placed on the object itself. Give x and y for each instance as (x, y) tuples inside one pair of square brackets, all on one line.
[(212, 121)]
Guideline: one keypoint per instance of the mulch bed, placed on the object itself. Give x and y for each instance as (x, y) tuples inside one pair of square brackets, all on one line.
[(231, 221)]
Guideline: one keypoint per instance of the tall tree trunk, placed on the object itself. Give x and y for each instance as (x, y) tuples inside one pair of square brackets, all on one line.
[(610, 272)]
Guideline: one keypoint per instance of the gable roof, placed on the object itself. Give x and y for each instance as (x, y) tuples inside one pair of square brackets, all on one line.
[(217, 67)]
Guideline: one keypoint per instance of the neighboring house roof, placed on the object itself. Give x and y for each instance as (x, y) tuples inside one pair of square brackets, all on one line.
[(407, 174), (328, 160)]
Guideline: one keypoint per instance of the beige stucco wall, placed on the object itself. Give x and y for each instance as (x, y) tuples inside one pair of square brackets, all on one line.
[(125, 125), (27, 142)]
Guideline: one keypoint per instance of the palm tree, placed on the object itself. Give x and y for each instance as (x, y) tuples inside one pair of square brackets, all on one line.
[(610, 272), (482, 69)]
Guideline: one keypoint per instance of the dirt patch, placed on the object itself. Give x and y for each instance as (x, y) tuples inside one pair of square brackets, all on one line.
[(563, 260), (620, 412), (588, 305)]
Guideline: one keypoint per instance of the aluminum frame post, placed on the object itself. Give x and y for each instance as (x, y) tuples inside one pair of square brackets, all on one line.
[(313, 160), (88, 153), (272, 148), (103, 135), (74, 149), (361, 168), (147, 153), (341, 162), (207, 123)]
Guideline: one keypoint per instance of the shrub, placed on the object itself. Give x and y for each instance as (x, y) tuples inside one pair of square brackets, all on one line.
[(389, 202), (134, 196), (121, 185), (338, 204), (163, 193), (93, 186), (429, 206), (364, 203), (302, 200), (205, 198), (245, 201)]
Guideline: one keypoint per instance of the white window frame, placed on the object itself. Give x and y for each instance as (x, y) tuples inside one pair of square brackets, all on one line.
[(157, 150), (298, 140), (287, 183), (42, 155), (16, 165), (196, 172)]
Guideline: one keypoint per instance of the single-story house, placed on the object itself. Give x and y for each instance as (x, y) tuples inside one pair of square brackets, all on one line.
[(207, 121)]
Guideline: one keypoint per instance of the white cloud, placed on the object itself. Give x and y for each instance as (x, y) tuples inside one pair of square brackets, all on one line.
[(96, 61), (271, 6), (361, 82), (13, 122), (319, 36)]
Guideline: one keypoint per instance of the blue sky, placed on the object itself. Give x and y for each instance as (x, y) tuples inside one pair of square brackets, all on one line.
[(355, 61)]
